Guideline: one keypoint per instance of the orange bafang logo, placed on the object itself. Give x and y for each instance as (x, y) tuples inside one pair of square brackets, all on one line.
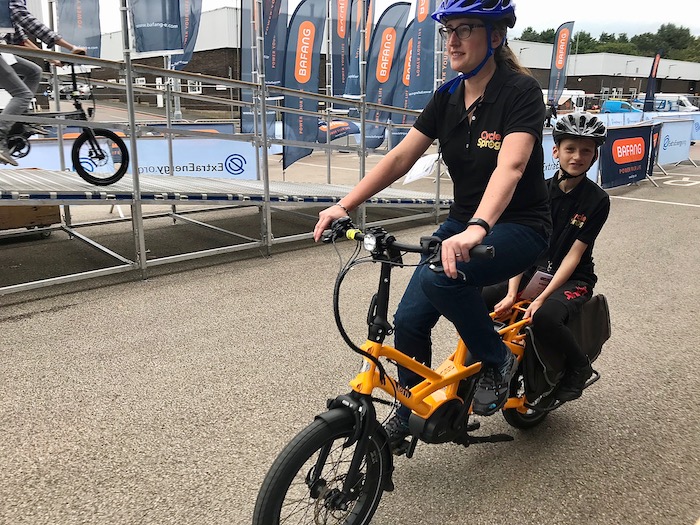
[(422, 9), (305, 46), (629, 150), (406, 78), (386, 54), (562, 46), (342, 17)]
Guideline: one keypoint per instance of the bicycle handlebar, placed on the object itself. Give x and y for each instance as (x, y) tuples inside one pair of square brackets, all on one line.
[(378, 239)]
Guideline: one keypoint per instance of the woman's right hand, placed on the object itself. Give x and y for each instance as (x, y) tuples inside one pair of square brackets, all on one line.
[(325, 218)]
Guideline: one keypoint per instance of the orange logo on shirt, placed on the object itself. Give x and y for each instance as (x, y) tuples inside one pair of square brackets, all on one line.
[(490, 140)]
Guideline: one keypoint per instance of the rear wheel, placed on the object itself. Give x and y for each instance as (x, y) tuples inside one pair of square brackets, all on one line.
[(100, 157), (304, 484), (523, 420)]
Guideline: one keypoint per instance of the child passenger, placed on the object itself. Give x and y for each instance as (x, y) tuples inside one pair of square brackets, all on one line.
[(579, 209)]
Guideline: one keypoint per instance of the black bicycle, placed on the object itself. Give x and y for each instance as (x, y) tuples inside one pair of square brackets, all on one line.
[(99, 156)]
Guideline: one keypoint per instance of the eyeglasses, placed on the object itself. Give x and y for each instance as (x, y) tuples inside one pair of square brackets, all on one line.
[(463, 31)]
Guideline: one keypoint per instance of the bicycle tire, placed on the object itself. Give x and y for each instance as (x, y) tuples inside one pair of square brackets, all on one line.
[(522, 420), (289, 471), (88, 156)]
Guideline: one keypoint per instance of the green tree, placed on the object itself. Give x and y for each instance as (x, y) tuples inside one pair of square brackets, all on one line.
[(647, 43), (673, 38), (583, 42)]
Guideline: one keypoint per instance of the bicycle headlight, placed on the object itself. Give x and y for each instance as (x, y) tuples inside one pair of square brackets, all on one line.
[(369, 242)]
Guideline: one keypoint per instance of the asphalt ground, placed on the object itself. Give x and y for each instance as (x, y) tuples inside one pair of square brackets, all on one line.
[(165, 400)]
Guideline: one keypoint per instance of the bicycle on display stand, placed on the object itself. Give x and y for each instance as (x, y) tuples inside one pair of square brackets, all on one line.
[(337, 468), (98, 155)]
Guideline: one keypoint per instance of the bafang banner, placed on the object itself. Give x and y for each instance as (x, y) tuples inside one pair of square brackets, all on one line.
[(560, 56), (340, 44), (624, 158), (302, 72), (352, 83), (655, 143), (190, 14), (383, 68), (275, 37), (157, 27), (651, 84), (422, 81), (400, 96), (79, 23)]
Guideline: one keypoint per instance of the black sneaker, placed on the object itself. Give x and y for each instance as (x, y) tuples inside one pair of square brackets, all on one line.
[(492, 388), (396, 430), (573, 383), (33, 129)]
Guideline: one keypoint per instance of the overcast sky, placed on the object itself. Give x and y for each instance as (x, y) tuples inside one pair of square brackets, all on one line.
[(592, 16)]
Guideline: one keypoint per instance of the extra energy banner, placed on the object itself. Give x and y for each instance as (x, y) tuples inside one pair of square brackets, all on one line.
[(383, 68), (560, 56), (5, 21), (156, 27), (624, 158), (190, 14), (302, 63), (422, 82), (651, 84), (79, 23)]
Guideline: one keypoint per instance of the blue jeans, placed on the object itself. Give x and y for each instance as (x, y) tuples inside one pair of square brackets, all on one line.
[(430, 295), (21, 81)]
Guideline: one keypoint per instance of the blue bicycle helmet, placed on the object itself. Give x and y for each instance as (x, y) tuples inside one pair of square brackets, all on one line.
[(488, 10)]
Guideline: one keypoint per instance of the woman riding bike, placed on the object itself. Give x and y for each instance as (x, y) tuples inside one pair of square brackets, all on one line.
[(488, 121), (579, 211)]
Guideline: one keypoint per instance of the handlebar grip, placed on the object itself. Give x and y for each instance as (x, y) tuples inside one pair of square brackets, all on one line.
[(482, 251)]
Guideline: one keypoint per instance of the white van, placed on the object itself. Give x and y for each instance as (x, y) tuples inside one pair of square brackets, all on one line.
[(668, 102), (571, 99)]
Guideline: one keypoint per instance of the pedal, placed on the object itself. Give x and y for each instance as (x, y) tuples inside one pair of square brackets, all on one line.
[(472, 426), (406, 447), (401, 448)]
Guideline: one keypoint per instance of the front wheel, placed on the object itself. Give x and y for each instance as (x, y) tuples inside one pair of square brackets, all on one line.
[(100, 156), (304, 484)]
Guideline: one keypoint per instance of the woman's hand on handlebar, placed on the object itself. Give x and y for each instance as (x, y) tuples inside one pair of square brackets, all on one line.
[(456, 249), (325, 218)]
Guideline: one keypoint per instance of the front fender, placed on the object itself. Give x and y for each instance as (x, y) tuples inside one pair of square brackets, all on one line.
[(344, 417)]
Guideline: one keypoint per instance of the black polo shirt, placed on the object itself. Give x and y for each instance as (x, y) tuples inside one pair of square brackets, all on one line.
[(577, 215), (512, 103)]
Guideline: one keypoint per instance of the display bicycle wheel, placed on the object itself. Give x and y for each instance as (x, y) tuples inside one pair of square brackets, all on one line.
[(100, 156)]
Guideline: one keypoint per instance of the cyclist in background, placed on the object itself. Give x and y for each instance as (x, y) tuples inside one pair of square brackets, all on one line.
[(488, 121), (579, 211), (19, 76)]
